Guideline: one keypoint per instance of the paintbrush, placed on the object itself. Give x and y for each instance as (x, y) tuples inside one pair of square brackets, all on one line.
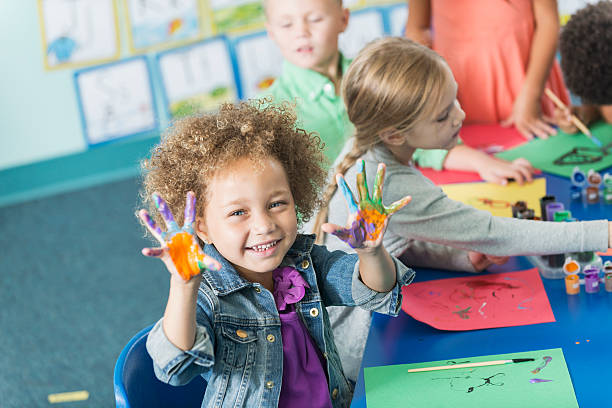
[(468, 365), (573, 118)]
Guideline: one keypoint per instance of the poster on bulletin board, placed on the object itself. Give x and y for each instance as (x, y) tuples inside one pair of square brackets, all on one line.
[(156, 24), (364, 26), (397, 15), (197, 78), (259, 63), (236, 15), (78, 32), (115, 100)]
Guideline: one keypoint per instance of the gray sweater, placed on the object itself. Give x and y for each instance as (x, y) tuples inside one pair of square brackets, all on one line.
[(435, 231)]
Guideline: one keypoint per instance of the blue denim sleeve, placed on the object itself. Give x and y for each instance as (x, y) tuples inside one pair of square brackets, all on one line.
[(340, 284), (175, 366), (382, 302)]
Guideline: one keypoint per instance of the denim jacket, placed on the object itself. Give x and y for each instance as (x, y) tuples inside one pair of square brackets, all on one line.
[(238, 346)]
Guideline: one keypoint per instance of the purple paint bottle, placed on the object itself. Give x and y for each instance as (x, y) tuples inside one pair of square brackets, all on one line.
[(552, 208), (591, 279)]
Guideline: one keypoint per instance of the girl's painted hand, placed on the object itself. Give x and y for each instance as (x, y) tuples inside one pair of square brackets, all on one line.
[(527, 119), (499, 171), (179, 248), (367, 220), (482, 261)]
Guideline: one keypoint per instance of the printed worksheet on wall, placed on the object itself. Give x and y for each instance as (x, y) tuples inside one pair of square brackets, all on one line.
[(197, 78), (259, 62), (78, 32), (115, 100), (155, 23)]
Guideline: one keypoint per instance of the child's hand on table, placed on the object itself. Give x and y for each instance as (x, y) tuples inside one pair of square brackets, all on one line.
[(482, 261), (499, 171), (368, 219), (179, 249)]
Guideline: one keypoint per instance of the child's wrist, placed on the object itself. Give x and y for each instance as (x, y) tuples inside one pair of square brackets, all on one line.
[(370, 252), (192, 284)]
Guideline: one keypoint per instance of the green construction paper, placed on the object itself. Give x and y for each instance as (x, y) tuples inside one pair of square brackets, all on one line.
[(543, 152), (509, 386)]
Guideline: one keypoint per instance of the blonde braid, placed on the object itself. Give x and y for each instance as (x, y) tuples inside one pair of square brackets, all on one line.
[(347, 162)]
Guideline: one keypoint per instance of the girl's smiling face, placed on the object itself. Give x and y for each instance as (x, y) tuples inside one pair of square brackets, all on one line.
[(250, 216)]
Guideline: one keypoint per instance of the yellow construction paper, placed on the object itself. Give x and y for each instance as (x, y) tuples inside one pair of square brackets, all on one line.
[(498, 199)]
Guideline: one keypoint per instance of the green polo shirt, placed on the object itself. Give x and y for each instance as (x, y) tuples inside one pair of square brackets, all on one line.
[(319, 109)]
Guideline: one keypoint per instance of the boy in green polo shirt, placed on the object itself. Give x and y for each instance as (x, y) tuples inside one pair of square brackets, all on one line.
[(306, 32)]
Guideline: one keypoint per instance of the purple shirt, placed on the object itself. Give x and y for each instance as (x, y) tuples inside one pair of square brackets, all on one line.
[(304, 381)]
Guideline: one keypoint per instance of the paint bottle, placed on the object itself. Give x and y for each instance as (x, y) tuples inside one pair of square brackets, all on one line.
[(552, 208), (571, 268), (543, 201), (607, 192), (518, 207), (591, 279), (572, 284), (528, 214), (592, 194), (563, 216), (607, 269), (592, 191), (578, 180)]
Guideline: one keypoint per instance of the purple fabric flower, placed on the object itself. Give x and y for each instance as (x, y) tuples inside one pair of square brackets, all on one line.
[(288, 286)]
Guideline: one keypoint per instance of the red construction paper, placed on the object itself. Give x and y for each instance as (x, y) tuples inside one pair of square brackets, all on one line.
[(490, 139), (480, 301)]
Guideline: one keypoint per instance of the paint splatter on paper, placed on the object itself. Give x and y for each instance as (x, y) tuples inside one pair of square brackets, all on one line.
[(479, 302)]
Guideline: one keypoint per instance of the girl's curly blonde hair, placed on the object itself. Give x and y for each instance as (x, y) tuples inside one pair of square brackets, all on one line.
[(194, 148)]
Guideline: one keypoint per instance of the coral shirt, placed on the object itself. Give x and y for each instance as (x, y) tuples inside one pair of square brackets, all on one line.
[(486, 44)]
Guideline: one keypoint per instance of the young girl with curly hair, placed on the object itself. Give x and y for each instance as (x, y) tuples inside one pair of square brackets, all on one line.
[(413, 104), (248, 311)]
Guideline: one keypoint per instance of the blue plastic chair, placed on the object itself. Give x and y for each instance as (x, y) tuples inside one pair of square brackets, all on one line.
[(136, 385)]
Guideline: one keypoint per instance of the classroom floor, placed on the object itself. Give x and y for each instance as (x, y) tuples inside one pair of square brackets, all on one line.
[(74, 288)]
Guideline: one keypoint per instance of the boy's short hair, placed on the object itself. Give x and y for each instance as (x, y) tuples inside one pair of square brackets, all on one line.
[(586, 53)]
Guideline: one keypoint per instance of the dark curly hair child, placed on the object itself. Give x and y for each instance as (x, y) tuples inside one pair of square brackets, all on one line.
[(247, 306), (586, 62)]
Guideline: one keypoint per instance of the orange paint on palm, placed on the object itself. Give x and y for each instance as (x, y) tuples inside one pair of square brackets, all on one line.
[(185, 254), (374, 219)]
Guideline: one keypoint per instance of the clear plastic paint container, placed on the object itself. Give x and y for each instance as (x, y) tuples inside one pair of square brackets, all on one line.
[(572, 284)]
